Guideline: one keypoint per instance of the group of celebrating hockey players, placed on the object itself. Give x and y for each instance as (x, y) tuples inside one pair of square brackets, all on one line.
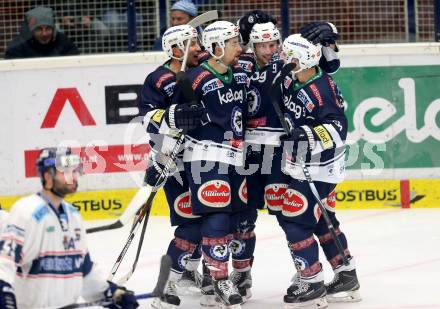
[(237, 158)]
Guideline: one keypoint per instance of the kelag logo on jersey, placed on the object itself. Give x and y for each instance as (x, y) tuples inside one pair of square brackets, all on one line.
[(237, 121), (305, 99), (254, 101), (240, 78), (260, 77), (230, 96), (212, 85)]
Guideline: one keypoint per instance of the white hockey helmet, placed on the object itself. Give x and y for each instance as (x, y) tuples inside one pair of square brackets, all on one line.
[(297, 47), (217, 33), (177, 36), (266, 32)]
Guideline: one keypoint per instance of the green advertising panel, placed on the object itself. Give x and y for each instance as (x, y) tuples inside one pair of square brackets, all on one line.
[(393, 115)]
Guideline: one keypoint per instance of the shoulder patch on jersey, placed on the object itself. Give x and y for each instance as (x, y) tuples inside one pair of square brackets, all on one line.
[(39, 212), (246, 65), (305, 99), (237, 121), (241, 78), (198, 79), (212, 85), (163, 78), (317, 94), (324, 137)]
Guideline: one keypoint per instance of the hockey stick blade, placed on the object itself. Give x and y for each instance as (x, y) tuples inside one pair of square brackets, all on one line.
[(133, 207), (164, 273), (203, 18)]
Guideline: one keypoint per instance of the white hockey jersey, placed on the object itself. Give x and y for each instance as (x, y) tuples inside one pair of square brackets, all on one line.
[(3, 218), (44, 256)]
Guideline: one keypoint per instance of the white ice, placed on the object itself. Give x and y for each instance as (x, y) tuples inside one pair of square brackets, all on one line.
[(397, 253)]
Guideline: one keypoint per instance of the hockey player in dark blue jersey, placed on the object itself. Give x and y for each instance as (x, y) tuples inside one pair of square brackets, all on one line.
[(267, 183), (162, 119), (313, 108), (213, 153)]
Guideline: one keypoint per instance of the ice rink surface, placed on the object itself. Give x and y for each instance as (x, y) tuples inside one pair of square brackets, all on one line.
[(397, 253)]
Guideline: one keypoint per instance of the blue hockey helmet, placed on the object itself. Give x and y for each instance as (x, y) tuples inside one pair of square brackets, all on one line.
[(60, 158)]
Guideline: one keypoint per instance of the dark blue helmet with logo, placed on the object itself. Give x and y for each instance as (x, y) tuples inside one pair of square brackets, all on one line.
[(61, 158)]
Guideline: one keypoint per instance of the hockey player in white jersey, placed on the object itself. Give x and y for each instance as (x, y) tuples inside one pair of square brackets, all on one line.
[(3, 218), (44, 259)]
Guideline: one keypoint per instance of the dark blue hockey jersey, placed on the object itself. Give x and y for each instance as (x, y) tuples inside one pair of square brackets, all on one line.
[(263, 125), (317, 106), (220, 137)]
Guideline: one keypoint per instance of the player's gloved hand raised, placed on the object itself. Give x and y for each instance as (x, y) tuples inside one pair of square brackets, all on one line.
[(324, 33), (251, 18), (121, 297), (185, 117), (7, 296)]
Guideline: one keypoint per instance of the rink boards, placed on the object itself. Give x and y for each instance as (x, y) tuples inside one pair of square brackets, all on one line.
[(352, 194), (88, 102)]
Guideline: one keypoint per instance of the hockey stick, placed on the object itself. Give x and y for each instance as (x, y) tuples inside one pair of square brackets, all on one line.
[(188, 92), (141, 196), (164, 272), (276, 98)]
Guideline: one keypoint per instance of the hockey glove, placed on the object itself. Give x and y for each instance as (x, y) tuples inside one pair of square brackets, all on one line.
[(185, 117), (300, 142), (320, 32), (7, 296), (121, 297), (249, 19)]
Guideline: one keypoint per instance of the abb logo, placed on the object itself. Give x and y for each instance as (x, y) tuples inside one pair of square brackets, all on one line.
[(114, 105)]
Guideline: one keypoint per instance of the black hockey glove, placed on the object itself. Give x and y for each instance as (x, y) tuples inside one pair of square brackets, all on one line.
[(249, 19), (121, 297), (300, 142), (185, 117), (7, 296), (320, 32)]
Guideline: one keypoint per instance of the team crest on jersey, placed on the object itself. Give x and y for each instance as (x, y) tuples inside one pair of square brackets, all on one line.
[(330, 201), (274, 196), (241, 78), (219, 251), (294, 203), (237, 121), (305, 99), (237, 246), (254, 101), (242, 192), (215, 193), (212, 85), (169, 89), (182, 205), (287, 82), (183, 259)]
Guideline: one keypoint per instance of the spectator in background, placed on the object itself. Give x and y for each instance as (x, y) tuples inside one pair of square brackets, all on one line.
[(181, 13), (39, 37)]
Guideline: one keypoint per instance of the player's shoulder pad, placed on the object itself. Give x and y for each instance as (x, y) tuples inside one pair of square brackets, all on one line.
[(31, 206), (162, 77), (197, 75), (71, 208)]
